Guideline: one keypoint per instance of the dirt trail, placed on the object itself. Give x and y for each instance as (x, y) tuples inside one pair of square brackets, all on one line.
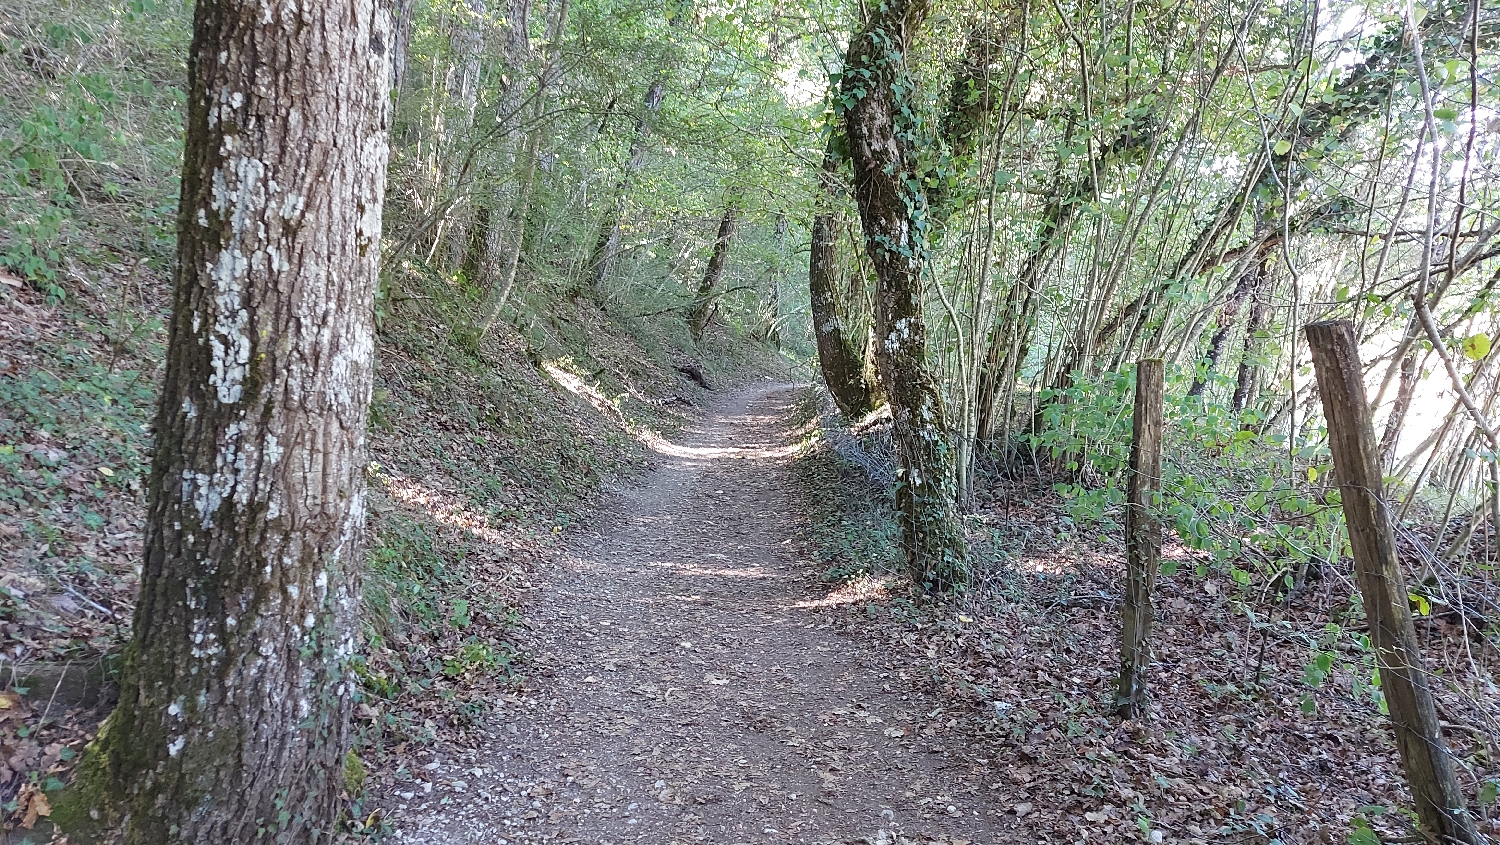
[(693, 686)]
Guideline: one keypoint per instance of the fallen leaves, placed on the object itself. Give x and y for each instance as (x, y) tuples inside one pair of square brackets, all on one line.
[(1227, 753), (32, 804)]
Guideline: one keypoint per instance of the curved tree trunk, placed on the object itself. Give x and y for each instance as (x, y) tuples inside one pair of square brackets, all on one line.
[(894, 218), (703, 305), (841, 357), (232, 724)]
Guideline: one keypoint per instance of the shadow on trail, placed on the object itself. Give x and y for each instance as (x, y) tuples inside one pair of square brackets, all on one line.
[(691, 687)]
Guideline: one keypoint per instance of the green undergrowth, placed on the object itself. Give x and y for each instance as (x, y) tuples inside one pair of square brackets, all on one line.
[(90, 133), (851, 520)]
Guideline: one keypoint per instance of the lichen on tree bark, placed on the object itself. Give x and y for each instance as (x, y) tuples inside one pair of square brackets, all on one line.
[(893, 212), (232, 724)]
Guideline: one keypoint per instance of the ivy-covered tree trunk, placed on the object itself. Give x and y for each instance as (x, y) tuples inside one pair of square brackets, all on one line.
[(703, 304), (1248, 376), (1250, 280), (233, 719), (840, 357), (875, 87)]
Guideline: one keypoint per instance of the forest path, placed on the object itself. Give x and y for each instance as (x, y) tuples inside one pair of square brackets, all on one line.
[(693, 686)]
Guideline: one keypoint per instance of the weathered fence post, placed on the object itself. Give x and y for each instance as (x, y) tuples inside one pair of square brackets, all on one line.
[(1356, 463), (1142, 539)]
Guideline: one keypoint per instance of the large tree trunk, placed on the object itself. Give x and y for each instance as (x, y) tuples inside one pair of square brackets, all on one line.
[(703, 305), (893, 213), (840, 356), (232, 724)]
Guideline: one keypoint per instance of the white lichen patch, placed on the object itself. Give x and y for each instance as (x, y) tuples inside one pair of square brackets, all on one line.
[(232, 475), (348, 383), (238, 196)]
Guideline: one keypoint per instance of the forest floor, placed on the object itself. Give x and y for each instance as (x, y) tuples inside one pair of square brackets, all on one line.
[(691, 683), (696, 671)]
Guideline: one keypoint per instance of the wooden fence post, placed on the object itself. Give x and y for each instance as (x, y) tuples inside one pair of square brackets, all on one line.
[(1142, 539), (1356, 463)]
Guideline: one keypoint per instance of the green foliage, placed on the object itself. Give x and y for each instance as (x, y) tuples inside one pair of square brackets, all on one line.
[(1228, 493), (407, 578), (478, 657), (354, 774), (88, 152), (74, 448)]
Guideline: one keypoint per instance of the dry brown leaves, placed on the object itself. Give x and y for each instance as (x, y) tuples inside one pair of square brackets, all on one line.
[(1228, 753)]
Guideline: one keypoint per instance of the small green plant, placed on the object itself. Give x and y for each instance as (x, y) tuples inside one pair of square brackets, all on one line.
[(476, 657)]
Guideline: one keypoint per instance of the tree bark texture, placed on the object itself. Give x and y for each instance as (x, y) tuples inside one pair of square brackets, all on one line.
[(233, 719), (1245, 287), (1142, 540), (1356, 462), (402, 12), (1404, 393), (895, 221), (1247, 379), (703, 304), (841, 356)]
